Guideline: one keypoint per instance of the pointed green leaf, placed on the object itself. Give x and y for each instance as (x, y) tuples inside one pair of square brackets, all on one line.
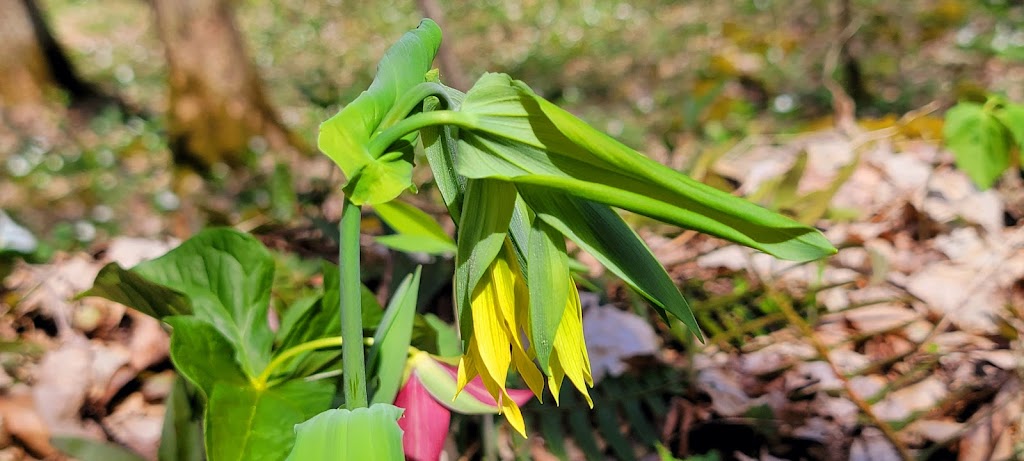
[(518, 136), (227, 276), (602, 233), (244, 423), (978, 141), (390, 347), (345, 136), (201, 354), (133, 290), (417, 231), (486, 212), (1012, 117), (181, 438), (350, 435), (548, 268)]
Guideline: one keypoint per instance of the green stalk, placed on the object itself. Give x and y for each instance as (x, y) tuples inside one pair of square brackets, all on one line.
[(353, 362), (411, 100), (322, 343), (415, 122)]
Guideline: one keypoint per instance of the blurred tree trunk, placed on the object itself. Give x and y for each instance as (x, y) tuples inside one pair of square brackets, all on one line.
[(217, 103), (31, 60)]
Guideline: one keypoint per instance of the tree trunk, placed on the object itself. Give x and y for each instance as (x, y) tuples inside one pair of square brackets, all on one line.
[(216, 104), (31, 60)]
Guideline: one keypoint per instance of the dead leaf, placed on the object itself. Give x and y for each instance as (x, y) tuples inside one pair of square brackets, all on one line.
[(21, 420), (613, 336)]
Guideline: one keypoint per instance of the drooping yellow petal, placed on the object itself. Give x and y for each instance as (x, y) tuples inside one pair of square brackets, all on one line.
[(496, 343), (569, 355)]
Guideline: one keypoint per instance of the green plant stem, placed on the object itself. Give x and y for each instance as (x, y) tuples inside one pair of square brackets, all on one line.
[(352, 359), (411, 99), (380, 143), (322, 343)]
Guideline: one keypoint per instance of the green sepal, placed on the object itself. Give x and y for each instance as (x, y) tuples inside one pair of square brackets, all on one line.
[(486, 212), (549, 283)]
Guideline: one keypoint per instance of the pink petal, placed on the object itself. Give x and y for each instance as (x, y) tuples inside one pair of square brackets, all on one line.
[(476, 388), (425, 422)]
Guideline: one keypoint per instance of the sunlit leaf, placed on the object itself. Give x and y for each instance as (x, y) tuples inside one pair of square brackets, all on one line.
[(350, 435), (548, 268), (417, 231), (602, 233), (345, 136), (518, 136), (244, 423), (978, 141), (390, 347)]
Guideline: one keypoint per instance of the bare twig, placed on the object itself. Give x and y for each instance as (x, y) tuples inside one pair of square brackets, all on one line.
[(890, 434)]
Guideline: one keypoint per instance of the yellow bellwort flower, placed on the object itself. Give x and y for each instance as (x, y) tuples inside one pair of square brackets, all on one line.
[(499, 308)]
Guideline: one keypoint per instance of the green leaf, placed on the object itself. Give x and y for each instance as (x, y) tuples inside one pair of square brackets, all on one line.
[(978, 141), (227, 276), (345, 136), (248, 424), (181, 438), (84, 449), (1012, 117), (602, 233), (487, 210), (417, 231), (548, 269), (518, 136), (448, 344), (133, 290), (390, 347), (350, 435), (202, 354), (439, 145)]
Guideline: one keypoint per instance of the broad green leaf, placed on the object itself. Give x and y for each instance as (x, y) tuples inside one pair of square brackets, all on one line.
[(486, 212), (390, 347), (978, 141), (181, 438), (84, 449), (350, 435), (518, 136), (548, 269), (1012, 117), (202, 354), (602, 233), (227, 276), (248, 424), (345, 136), (135, 291), (416, 230)]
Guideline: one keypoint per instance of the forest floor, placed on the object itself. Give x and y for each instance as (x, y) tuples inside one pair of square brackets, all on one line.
[(904, 345)]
